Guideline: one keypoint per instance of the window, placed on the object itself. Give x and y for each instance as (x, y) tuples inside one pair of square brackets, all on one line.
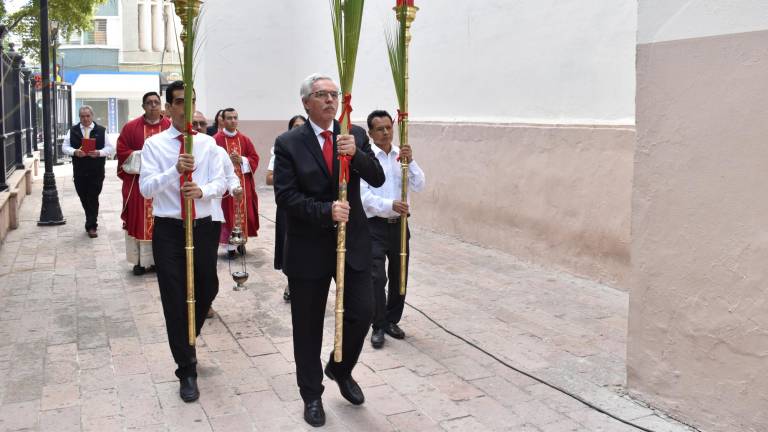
[(99, 34), (74, 38)]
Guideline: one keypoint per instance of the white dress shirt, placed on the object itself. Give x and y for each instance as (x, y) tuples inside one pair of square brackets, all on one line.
[(271, 164), (160, 181), (107, 151), (245, 165), (318, 130), (231, 180), (378, 201)]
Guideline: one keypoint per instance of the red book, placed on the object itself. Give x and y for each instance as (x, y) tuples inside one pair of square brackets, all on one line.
[(88, 145)]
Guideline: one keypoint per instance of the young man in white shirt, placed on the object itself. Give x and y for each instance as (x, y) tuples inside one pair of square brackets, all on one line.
[(163, 165), (383, 208)]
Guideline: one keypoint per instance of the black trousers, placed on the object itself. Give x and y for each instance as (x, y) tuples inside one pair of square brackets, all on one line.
[(389, 303), (308, 300), (170, 261), (88, 186)]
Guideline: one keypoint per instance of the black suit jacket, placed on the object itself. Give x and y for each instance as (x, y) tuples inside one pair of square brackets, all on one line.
[(306, 190), (88, 165)]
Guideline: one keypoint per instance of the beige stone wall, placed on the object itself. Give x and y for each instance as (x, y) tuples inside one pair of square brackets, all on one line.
[(698, 317), (555, 195)]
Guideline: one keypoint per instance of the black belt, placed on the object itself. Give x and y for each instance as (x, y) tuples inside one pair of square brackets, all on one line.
[(393, 220), (180, 222)]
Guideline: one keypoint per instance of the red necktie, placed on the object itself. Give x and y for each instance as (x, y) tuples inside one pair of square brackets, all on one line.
[(328, 150), (187, 176)]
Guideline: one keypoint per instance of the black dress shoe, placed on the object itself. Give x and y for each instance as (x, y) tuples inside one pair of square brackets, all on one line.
[(377, 338), (314, 413), (393, 330), (348, 388), (287, 294), (188, 389), (139, 270)]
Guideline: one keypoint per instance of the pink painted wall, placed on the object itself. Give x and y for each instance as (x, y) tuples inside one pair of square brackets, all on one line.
[(698, 313), (555, 195)]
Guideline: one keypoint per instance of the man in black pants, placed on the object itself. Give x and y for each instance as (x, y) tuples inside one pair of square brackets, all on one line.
[(383, 206), (164, 167), (306, 187), (88, 166)]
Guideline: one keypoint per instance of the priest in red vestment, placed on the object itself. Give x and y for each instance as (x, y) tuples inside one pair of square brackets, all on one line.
[(245, 160), (137, 211)]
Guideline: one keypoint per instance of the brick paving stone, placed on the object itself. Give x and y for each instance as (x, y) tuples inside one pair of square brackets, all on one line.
[(19, 415), (385, 400), (100, 403), (414, 421), (83, 344), (60, 420), (102, 424), (60, 396)]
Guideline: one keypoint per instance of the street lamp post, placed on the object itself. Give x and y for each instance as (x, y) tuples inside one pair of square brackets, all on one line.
[(50, 211), (54, 28)]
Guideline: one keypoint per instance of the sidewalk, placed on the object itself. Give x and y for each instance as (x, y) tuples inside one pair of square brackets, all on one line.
[(83, 344)]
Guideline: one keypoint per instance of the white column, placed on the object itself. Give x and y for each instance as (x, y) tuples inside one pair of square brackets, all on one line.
[(170, 29), (158, 27), (145, 26)]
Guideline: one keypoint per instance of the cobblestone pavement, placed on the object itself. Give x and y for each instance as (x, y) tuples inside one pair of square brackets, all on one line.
[(83, 343)]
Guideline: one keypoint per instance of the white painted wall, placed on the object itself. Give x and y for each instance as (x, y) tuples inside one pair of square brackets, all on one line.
[(527, 61), (665, 20)]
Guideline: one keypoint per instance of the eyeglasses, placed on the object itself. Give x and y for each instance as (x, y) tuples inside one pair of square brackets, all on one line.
[(199, 124), (322, 94)]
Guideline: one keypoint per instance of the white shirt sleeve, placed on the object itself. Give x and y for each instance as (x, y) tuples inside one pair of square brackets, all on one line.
[(151, 179), (109, 148), (229, 170), (373, 204), (216, 178), (245, 166), (271, 164), (416, 178), (66, 146)]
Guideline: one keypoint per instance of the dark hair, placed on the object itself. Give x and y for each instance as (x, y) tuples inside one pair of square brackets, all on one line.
[(147, 95), (216, 118), (293, 120), (377, 114), (225, 111), (172, 87)]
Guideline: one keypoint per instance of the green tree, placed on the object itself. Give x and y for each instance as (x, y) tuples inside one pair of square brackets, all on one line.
[(71, 16)]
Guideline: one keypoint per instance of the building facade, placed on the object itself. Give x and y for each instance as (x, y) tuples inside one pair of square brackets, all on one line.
[(132, 48)]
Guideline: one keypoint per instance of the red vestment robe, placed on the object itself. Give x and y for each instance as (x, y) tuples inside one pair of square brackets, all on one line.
[(249, 205), (137, 211)]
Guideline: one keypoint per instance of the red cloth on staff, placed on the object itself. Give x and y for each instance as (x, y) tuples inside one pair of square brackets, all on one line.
[(137, 211), (249, 205)]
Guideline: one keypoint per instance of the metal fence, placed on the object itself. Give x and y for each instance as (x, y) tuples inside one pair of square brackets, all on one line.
[(18, 137)]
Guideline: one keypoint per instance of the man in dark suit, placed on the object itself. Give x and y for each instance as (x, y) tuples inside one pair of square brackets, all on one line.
[(306, 187), (88, 167)]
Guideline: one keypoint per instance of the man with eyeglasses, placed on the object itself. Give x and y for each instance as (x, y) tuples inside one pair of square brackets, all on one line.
[(306, 176), (199, 123), (245, 161), (89, 146), (137, 210)]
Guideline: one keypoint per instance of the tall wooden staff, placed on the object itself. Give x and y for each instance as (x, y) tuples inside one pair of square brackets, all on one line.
[(188, 10), (398, 43), (346, 16)]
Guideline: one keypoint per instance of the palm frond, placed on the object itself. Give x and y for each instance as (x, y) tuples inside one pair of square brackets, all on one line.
[(346, 18), (395, 39)]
